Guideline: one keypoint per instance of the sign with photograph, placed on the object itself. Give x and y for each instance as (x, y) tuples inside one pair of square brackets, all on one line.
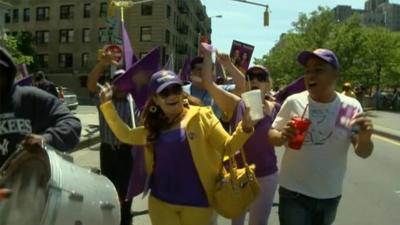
[(241, 54)]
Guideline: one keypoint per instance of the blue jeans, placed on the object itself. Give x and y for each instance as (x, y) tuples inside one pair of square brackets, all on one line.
[(298, 209)]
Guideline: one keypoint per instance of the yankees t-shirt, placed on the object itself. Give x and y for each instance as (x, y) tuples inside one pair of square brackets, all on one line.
[(317, 169), (12, 131)]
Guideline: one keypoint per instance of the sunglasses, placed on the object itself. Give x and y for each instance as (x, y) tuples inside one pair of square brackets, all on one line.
[(261, 77), (171, 90)]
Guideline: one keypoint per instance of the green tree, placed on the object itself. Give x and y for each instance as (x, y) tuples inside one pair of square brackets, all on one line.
[(368, 56), (21, 48)]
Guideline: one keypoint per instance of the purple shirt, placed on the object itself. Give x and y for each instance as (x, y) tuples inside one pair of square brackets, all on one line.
[(175, 178), (257, 149)]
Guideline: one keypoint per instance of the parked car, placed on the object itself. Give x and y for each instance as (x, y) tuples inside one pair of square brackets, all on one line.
[(68, 97)]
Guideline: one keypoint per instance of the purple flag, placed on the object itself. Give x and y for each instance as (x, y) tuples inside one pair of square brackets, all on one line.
[(296, 86), (129, 55), (129, 82), (185, 73), (138, 174)]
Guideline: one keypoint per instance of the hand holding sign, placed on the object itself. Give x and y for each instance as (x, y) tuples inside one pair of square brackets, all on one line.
[(115, 51)]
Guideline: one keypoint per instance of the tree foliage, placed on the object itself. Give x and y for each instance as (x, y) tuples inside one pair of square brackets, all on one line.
[(21, 48), (368, 56)]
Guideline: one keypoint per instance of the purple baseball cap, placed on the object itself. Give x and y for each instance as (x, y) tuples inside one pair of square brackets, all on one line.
[(324, 54), (162, 79)]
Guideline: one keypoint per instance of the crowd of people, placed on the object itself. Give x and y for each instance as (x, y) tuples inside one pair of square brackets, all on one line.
[(183, 129)]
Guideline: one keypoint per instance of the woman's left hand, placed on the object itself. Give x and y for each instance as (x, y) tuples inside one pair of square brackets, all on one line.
[(106, 93)]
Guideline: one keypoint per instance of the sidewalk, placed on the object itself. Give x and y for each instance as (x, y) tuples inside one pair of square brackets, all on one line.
[(386, 123), (90, 134)]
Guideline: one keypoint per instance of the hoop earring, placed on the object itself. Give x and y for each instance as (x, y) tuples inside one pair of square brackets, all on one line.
[(153, 109), (186, 101)]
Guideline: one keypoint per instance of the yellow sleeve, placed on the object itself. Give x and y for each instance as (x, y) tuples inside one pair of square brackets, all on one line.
[(220, 139), (121, 130)]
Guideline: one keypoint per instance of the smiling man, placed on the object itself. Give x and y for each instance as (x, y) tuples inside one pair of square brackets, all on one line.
[(311, 178)]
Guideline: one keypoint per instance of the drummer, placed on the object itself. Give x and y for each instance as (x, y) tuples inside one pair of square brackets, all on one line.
[(31, 116)]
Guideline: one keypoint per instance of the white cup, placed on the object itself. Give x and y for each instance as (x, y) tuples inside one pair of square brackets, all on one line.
[(253, 100)]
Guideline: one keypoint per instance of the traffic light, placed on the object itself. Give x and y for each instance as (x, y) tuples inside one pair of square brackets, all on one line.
[(266, 17)]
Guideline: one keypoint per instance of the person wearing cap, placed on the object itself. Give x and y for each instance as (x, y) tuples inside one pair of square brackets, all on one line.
[(311, 178), (115, 157), (257, 149), (347, 90), (183, 146), (31, 117), (197, 89)]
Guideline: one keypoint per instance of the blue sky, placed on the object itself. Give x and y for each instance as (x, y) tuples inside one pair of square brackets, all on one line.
[(244, 22)]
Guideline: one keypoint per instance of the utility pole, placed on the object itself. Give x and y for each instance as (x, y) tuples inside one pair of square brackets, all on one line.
[(266, 12)]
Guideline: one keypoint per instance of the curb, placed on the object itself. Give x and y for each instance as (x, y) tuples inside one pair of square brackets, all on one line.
[(86, 142), (387, 134)]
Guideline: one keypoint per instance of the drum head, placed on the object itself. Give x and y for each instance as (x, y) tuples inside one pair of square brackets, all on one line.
[(27, 175)]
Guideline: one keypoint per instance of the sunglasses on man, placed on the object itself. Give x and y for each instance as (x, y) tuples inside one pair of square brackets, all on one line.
[(171, 90)]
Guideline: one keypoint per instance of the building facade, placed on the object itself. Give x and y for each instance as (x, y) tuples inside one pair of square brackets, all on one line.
[(375, 13), (4, 8), (69, 33)]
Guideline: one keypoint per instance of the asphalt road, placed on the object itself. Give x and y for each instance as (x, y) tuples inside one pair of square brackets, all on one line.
[(371, 191)]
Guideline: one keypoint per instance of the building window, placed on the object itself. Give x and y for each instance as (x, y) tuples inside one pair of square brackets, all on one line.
[(42, 37), (27, 15), (168, 11), (66, 36), (167, 36), (65, 60), (15, 16), (145, 33), (7, 17), (43, 60), (85, 35), (42, 13), (85, 59), (86, 10), (66, 12), (103, 9), (103, 35), (147, 9)]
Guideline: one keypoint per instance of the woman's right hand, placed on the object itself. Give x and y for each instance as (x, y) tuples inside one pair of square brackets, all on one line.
[(247, 122), (106, 93)]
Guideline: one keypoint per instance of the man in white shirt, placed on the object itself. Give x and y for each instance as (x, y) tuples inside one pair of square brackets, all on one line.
[(311, 178)]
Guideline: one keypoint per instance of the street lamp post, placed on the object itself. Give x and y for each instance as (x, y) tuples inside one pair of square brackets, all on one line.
[(266, 12)]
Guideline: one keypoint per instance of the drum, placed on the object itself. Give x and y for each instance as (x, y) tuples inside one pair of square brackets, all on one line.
[(50, 190)]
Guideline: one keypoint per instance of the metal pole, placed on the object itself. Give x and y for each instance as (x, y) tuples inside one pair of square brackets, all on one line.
[(252, 3)]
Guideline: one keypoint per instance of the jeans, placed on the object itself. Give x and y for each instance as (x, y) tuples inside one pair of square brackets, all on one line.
[(298, 209)]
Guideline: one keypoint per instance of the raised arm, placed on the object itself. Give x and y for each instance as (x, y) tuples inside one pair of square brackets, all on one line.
[(238, 77), (221, 140), (135, 136), (106, 59), (225, 101)]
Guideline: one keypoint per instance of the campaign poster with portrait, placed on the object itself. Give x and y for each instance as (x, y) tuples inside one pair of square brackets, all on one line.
[(241, 54)]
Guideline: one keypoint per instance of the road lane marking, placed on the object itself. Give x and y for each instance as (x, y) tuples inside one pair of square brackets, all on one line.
[(386, 139)]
